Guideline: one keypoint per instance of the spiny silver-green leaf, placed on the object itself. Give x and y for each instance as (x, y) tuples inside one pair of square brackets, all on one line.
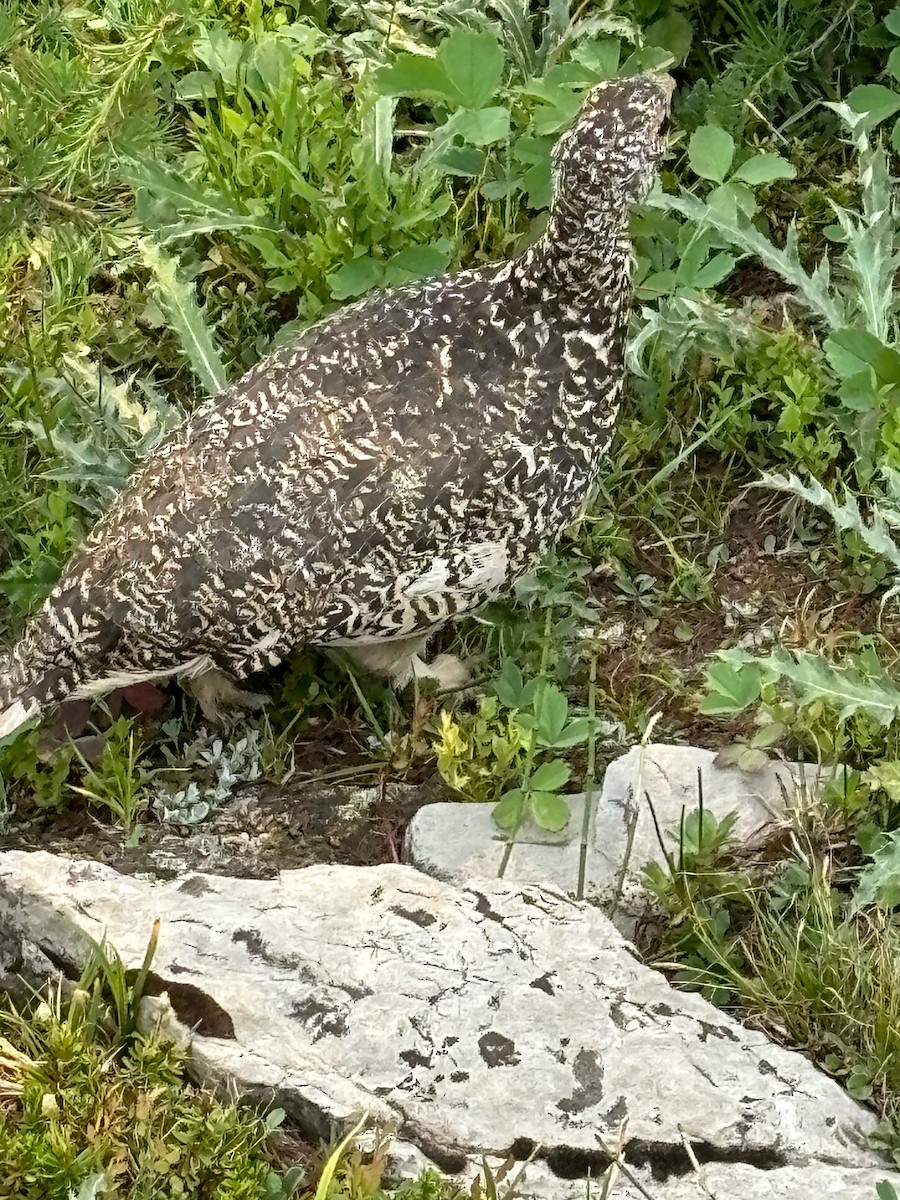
[(875, 534), (179, 303), (814, 288), (841, 687)]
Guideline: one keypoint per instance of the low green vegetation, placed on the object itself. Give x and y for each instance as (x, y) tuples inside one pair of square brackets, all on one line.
[(183, 185), (93, 1109)]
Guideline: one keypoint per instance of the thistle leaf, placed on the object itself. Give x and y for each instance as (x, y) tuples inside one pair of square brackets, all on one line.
[(179, 303)]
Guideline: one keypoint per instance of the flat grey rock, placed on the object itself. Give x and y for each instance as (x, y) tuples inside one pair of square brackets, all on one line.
[(483, 1019), (459, 841)]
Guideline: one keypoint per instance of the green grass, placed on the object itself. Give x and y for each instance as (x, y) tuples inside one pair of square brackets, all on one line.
[(183, 185), (93, 1108)]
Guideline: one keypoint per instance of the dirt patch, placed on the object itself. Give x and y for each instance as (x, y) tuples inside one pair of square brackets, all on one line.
[(656, 663), (262, 830)]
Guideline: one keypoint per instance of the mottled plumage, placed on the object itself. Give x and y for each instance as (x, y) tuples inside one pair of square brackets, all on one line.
[(395, 467)]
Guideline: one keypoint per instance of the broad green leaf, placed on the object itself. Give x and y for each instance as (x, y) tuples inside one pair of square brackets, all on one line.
[(473, 62), (768, 735), (875, 101), (879, 881), (550, 776), (509, 811), (893, 62), (600, 55), (551, 709), (461, 160), (672, 32), (573, 733), (421, 260), (718, 268), (220, 52), (539, 184), (416, 75), (895, 137), (884, 1189), (892, 21), (532, 149), (731, 688), (481, 126), (850, 350), (196, 85), (764, 168), (549, 811), (178, 300), (646, 58), (356, 277), (698, 832), (94, 1187), (510, 687), (710, 152)]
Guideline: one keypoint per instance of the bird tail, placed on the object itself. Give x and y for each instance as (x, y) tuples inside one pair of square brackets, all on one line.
[(37, 673)]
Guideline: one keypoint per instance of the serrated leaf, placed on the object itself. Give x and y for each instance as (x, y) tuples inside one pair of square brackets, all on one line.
[(764, 168), (178, 301), (481, 126), (473, 62), (551, 709), (844, 688), (875, 102), (742, 756), (876, 534), (812, 288), (511, 689), (550, 777), (710, 152), (549, 811), (509, 811)]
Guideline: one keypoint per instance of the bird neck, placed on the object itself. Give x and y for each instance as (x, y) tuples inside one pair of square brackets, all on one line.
[(584, 254)]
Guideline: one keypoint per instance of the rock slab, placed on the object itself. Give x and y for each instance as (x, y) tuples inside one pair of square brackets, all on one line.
[(458, 841), (485, 1019)]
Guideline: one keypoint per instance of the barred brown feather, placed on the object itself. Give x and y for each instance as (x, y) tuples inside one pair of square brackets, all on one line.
[(395, 467)]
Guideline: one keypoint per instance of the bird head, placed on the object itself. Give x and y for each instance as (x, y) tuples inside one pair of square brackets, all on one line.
[(612, 148)]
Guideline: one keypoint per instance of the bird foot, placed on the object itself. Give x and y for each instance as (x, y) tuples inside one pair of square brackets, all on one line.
[(446, 670), (400, 659), (216, 693)]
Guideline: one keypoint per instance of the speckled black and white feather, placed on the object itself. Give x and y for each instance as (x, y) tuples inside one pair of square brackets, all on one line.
[(395, 467)]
